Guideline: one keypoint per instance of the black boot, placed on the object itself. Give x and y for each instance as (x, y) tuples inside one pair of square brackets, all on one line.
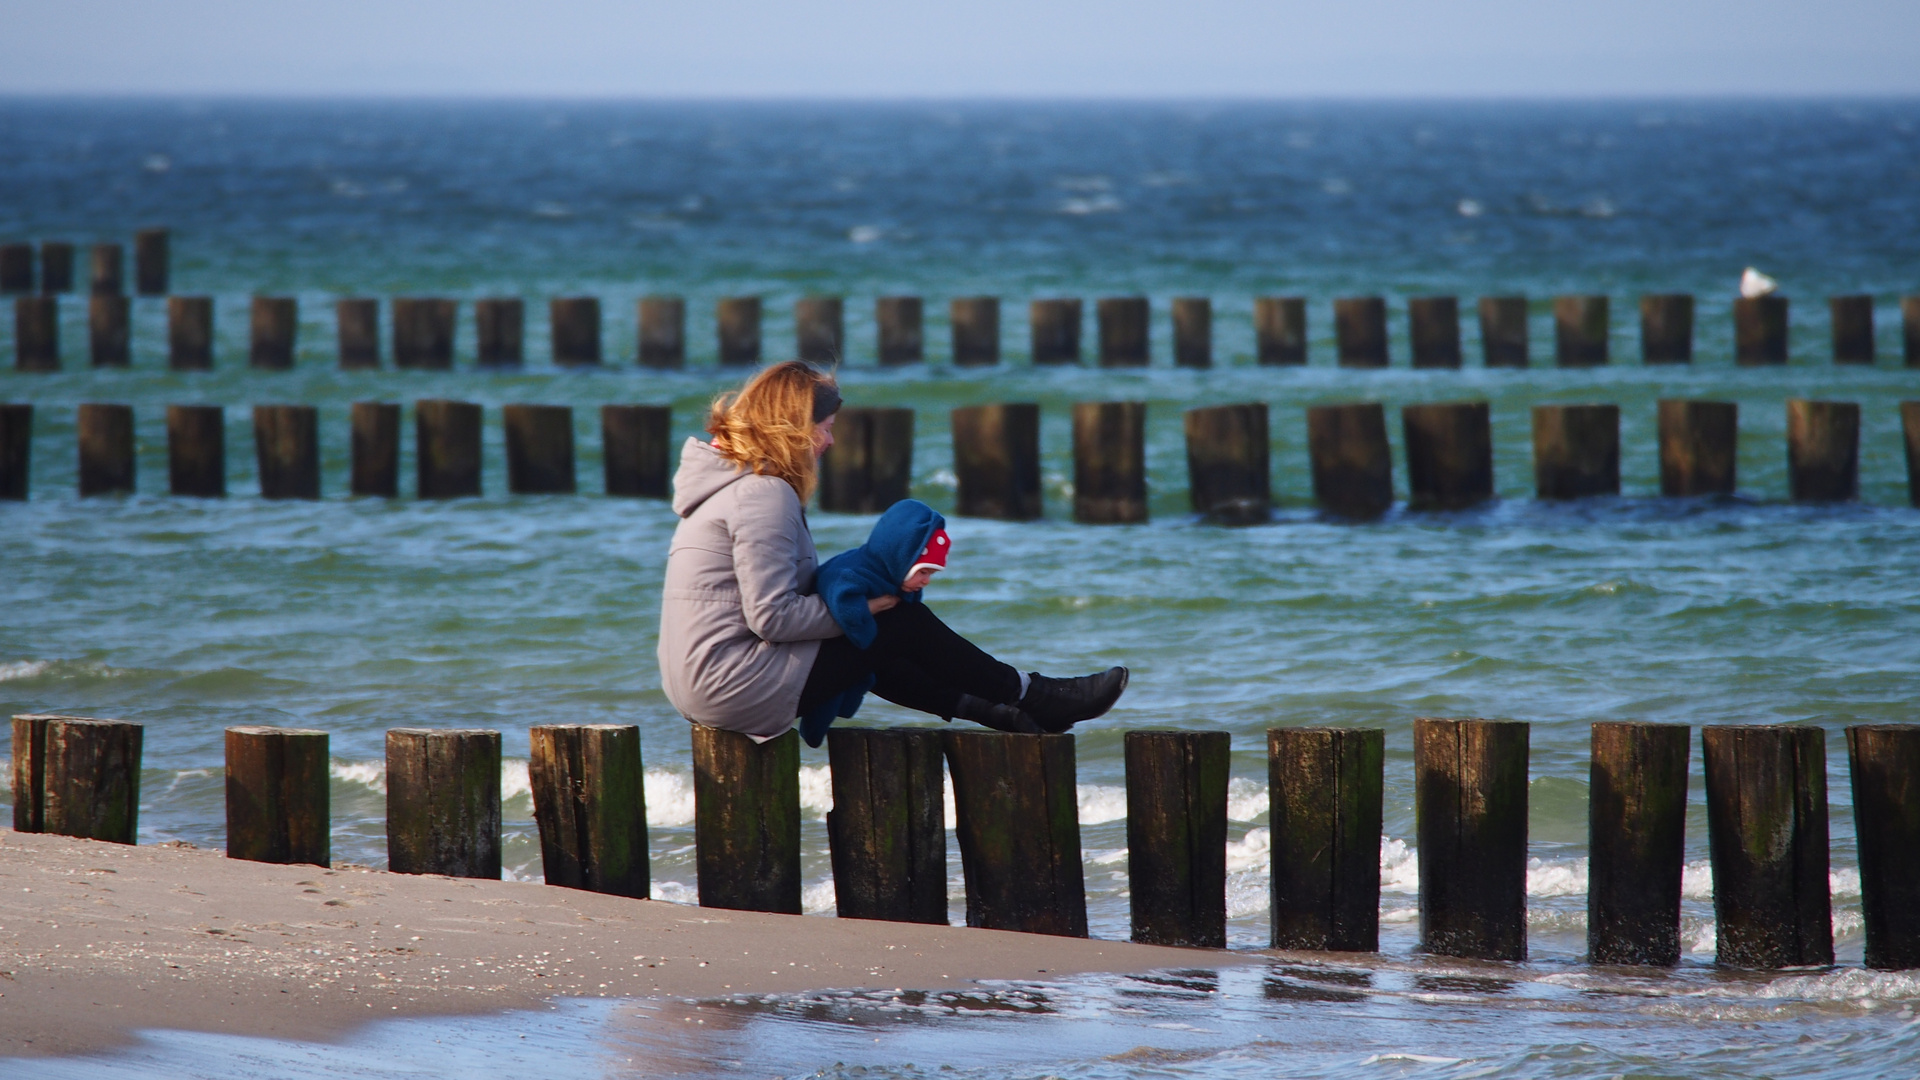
[(997, 717), (1058, 704)]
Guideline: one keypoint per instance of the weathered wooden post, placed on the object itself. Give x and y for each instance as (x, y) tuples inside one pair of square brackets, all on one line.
[(36, 333), (1760, 330), (357, 330), (996, 461), (1056, 331), (1470, 804), (1018, 823), (1280, 330), (575, 321), (1449, 454), (110, 330), (1910, 330), (1177, 836), (1852, 318), (1767, 835), (1823, 450), (1434, 324), (106, 449), (500, 332), (1884, 760), (1228, 461), (663, 332), (150, 261), (56, 267), (634, 449), (737, 322), (1123, 331), (1192, 331), (1697, 443), (897, 320), (278, 804), (1666, 328), (77, 776), (820, 329), (376, 449), (1910, 427), (590, 799), (447, 448), (16, 268), (1360, 326), (286, 441), (1109, 462), (870, 466), (275, 322), (1324, 806), (1636, 842), (1503, 331), (197, 450), (443, 802), (746, 820), (16, 451), (1581, 327), (1352, 464), (190, 333), (1576, 451), (888, 826), (539, 449), (423, 332), (976, 330), (108, 263)]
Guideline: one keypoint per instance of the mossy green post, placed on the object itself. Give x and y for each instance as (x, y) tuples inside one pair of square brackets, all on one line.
[(746, 820), (1885, 763), (443, 802), (1177, 836), (1767, 831), (1636, 840), (1019, 831), (1470, 806), (278, 803), (589, 797), (888, 827), (77, 776), (1324, 806)]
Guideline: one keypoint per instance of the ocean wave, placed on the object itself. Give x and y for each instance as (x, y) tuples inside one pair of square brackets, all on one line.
[(23, 669), (1848, 984), (1101, 803), (674, 892)]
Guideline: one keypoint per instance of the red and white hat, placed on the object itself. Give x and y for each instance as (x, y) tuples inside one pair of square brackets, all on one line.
[(934, 554)]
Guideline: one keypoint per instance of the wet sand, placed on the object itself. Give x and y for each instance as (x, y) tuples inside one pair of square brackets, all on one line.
[(101, 940)]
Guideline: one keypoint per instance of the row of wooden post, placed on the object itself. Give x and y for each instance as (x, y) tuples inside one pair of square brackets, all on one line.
[(107, 265), (1018, 826), (423, 331)]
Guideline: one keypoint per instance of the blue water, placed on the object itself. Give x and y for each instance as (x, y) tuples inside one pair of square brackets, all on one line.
[(355, 616)]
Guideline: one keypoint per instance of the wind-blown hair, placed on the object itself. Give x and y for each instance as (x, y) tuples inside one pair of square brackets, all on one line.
[(767, 425)]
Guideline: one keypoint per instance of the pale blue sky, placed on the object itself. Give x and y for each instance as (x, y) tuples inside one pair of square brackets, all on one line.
[(981, 48)]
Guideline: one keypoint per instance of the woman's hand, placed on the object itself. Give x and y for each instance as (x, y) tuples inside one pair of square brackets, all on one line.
[(881, 603)]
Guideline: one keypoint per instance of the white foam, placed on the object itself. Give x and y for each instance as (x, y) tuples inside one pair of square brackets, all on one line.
[(515, 781), (1253, 851), (1848, 984), (816, 791), (1399, 867), (369, 774), (1843, 882), (819, 898), (1696, 881), (674, 892), (669, 798), (1246, 799), (1418, 1059), (1101, 803), (23, 669), (1557, 877)]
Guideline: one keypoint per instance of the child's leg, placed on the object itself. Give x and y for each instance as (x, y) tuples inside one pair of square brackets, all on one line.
[(914, 643)]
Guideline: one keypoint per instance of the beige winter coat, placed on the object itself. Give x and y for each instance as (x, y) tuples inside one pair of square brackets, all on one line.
[(739, 620)]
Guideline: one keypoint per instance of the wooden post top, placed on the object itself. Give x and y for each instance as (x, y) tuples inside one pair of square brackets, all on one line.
[(65, 719), (440, 731), (269, 729)]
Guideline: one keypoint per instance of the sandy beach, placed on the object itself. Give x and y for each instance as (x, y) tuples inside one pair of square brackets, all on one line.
[(100, 940)]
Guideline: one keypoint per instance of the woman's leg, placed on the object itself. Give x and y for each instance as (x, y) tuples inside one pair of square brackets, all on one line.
[(917, 661)]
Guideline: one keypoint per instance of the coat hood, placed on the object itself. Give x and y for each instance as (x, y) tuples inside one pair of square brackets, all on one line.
[(702, 474)]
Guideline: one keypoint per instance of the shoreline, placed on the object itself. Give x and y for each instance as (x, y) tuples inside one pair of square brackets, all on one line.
[(99, 941)]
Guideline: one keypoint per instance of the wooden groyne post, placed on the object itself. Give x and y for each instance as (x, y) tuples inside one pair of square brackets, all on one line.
[(77, 776), (1192, 332), (737, 325), (108, 266), (634, 449), (1177, 836), (105, 436), (1767, 833), (1055, 326), (1434, 324), (36, 333), (197, 450), (357, 332), (1470, 802), (870, 465), (443, 802), (16, 450), (1910, 331), (1852, 318), (151, 259), (590, 800), (286, 442), (278, 803), (274, 323), (1581, 327), (16, 268), (423, 332), (56, 267), (539, 449), (1760, 330), (1884, 760), (575, 324), (376, 449), (663, 332), (1449, 454), (1228, 464), (190, 333), (500, 332), (1019, 831), (1123, 331), (899, 325), (447, 448), (1576, 451), (1823, 450), (1360, 327), (746, 820), (1503, 331), (996, 461), (888, 826), (1109, 462), (1910, 429), (1352, 464), (1280, 330), (1666, 328), (1697, 444), (1636, 842), (1324, 788), (110, 330), (820, 329), (975, 322)]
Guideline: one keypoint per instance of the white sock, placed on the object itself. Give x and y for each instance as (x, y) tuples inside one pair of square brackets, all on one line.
[(1025, 679)]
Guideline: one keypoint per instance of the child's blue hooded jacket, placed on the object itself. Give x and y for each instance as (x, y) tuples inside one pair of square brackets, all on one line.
[(848, 580)]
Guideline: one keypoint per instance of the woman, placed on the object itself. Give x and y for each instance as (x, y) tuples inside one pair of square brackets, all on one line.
[(745, 642)]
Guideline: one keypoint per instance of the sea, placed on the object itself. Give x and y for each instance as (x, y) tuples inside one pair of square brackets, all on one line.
[(356, 615)]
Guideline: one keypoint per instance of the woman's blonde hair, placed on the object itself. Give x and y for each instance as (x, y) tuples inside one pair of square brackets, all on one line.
[(767, 425)]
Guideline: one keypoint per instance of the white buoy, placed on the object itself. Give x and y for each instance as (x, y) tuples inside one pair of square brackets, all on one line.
[(1754, 284)]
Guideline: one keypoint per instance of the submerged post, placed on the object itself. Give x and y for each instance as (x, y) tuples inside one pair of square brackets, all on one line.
[(56, 267), (1580, 330), (1434, 322), (1760, 330), (870, 465), (1885, 763), (1360, 326), (539, 449), (1823, 450), (1666, 328), (1228, 455), (150, 261), (278, 804), (357, 332), (1767, 832), (1123, 331), (1449, 454), (1018, 823), (898, 320), (423, 333), (500, 332), (888, 826), (1109, 462), (76, 776), (976, 330), (1177, 836), (36, 333), (1352, 464), (443, 802), (447, 448), (108, 263), (16, 268), (634, 449), (1910, 428), (575, 322), (1192, 331), (1636, 840), (110, 330), (1324, 790), (106, 449), (1056, 331), (590, 799), (275, 321), (1697, 444), (286, 443), (996, 461), (1503, 331), (376, 449), (16, 451), (1910, 330), (1852, 318), (1280, 330), (746, 820), (737, 324), (820, 329), (197, 450), (1470, 802), (190, 333), (1576, 451), (663, 332)]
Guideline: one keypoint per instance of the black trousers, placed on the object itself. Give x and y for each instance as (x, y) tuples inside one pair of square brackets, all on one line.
[(916, 661)]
